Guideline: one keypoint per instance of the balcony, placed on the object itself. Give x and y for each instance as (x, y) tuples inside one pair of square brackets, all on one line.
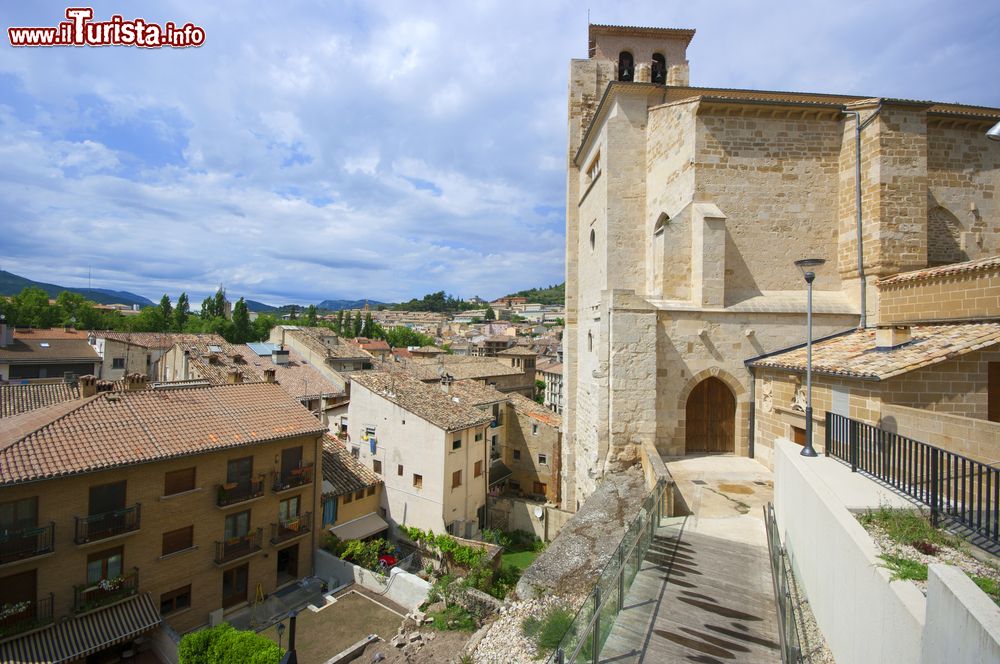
[(109, 524), (287, 529), (292, 478), (237, 547), (20, 617), (26, 543), (234, 493), (88, 597)]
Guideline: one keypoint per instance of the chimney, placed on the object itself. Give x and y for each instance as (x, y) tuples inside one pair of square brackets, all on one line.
[(135, 382), (280, 356), (891, 336), (446, 380), (88, 386), (269, 375), (234, 377)]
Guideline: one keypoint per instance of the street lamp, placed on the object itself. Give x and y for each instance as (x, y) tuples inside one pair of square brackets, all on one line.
[(994, 133), (806, 265), (281, 632)]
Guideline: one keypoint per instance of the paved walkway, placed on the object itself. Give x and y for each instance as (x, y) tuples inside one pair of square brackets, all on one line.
[(704, 591)]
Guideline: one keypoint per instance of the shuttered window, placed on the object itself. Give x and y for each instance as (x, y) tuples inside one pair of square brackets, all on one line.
[(178, 481), (178, 540)]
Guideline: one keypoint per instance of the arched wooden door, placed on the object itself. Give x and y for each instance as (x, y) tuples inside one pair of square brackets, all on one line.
[(710, 418)]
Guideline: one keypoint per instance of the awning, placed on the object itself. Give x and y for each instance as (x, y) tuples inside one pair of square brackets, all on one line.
[(78, 637), (360, 528)]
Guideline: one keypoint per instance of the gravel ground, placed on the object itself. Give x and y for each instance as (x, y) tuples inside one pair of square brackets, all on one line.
[(945, 554), (813, 644), (505, 643)]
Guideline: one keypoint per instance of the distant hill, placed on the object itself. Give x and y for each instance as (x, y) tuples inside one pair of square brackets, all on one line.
[(260, 307), (551, 295), (337, 305), (12, 284)]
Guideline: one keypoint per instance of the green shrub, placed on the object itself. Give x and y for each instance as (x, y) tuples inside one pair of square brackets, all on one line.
[(906, 526), (905, 569), (988, 586), (223, 644), (548, 631), (453, 617)]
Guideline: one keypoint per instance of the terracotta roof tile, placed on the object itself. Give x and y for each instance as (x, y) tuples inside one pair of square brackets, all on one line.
[(156, 339), (313, 337), (518, 350), (342, 471), (41, 349), (534, 410), (15, 399), (855, 355), (117, 429), (942, 271), (428, 402)]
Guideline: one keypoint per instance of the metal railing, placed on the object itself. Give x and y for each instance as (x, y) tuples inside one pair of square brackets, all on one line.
[(286, 529), (955, 487), (87, 597), (593, 622), (237, 547), (788, 633), (290, 479), (231, 494), (26, 543), (23, 616), (108, 524)]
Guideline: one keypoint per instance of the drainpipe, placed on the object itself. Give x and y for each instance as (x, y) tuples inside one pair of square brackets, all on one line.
[(753, 410), (858, 127)]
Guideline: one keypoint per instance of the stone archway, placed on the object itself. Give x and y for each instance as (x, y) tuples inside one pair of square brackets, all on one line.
[(710, 418)]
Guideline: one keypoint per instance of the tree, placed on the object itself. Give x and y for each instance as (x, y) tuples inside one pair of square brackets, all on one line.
[(224, 644), (311, 315), (219, 302), (181, 312), (31, 308), (347, 327), (490, 314), (166, 312), (358, 323), (369, 328), (339, 325), (540, 391), (242, 331)]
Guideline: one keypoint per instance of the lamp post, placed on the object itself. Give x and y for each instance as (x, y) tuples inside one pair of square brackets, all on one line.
[(806, 265), (281, 632)]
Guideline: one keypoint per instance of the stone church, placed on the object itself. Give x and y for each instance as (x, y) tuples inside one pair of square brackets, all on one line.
[(686, 209)]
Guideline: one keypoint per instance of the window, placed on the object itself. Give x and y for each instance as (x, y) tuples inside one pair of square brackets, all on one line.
[(178, 481), (19, 514), (514, 484), (658, 70), (240, 471), (479, 436), (175, 600), (399, 470), (626, 66), (237, 525), (479, 469), (106, 498), (104, 565), (358, 495), (590, 341), (371, 490), (418, 481), (593, 238), (118, 363), (543, 459), (291, 458), (456, 444), (377, 466), (594, 170), (348, 498), (329, 511), (178, 540), (534, 429), (288, 509), (456, 479), (539, 488), (355, 451), (517, 455)]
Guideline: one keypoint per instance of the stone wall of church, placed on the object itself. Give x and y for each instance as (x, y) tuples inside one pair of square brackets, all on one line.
[(964, 295)]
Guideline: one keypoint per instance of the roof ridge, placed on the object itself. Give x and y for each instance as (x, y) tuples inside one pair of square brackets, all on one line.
[(83, 402)]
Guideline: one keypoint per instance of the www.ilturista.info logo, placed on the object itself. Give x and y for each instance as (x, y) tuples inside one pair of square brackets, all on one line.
[(80, 30)]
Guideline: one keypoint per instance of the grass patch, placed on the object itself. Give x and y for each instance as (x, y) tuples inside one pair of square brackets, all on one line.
[(904, 569), (988, 586), (908, 527), (548, 631), (453, 618), (519, 560)]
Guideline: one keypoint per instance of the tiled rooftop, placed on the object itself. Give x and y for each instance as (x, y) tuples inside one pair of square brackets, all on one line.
[(519, 351), (313, 338), (46, 349), (474, 393), (158, 340), (297, 377), (855, 354), (460, 367), (942, 271), (16, 399), (428, 402), (341, 471), (125, 428), (533, 409)]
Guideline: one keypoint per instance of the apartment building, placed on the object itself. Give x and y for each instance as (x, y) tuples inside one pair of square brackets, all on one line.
[(122, 509), (37, 354), (139, 352), (324, 349), (430, 450), (352, 494), (551, 374)]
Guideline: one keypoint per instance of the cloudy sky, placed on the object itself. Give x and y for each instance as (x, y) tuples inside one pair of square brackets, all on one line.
[(380, 149)]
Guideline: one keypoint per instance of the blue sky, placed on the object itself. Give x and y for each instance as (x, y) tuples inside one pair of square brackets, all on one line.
[(380, 149)]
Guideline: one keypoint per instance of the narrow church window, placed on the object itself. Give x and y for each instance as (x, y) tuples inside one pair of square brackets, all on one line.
[(661, 223), (626, 66), (594, 170), (658, 72), (590, 341), (593, 238)]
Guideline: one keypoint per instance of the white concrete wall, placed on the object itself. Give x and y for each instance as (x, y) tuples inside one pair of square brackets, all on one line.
[(963, 623), (403, 588), (865, 618)]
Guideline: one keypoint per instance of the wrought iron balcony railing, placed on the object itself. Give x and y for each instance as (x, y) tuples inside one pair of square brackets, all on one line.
[(233, 493), (26, 543), (286, 529), (237, 547), (108, 524), (17, 617), (87, 597), (289, 479)]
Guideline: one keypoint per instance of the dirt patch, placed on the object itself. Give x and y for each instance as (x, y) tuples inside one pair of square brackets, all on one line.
[(736, 488), (432, 648)]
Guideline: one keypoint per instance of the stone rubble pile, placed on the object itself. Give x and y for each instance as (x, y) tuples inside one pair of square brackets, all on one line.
[(505, 642), (407, 638)]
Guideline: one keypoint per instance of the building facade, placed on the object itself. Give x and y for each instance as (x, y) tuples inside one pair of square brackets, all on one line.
[(686, 208)]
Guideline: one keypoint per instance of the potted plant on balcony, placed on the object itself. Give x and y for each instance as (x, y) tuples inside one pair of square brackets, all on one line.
[(111, 584), (14, 609)]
